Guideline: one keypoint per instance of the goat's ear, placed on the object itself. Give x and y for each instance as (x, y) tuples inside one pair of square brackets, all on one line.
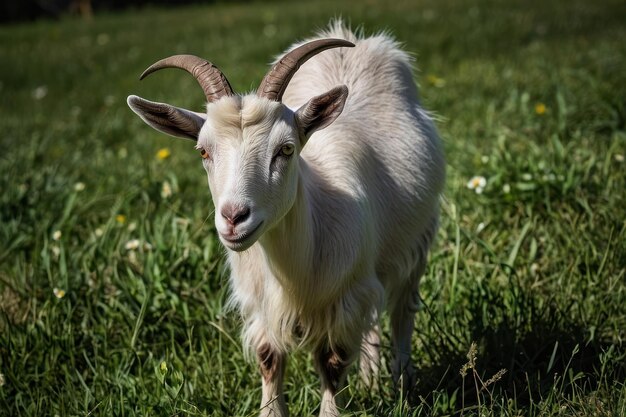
[(168, 119), (322, 110)]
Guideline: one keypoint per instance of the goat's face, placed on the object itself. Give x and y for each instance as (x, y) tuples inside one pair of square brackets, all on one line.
[(250, 148), (250, 144)]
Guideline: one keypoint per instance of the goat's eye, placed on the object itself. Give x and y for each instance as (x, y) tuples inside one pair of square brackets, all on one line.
[(287, 150), (204, 154)]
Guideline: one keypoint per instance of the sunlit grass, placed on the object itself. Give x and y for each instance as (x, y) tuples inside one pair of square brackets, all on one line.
[(113, 285)]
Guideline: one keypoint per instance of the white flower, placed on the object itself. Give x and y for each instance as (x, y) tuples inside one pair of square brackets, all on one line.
[(534, 269), (269, 30), (484, 159), (98, 232), (166, 190), (40, 92), (79, 186), (56, 251), (477, 183), (132, 226), (506, 188), (619, 157), (481, 226), (527, 177), (58, 293), (56, 235), (132, 244), (132, 257)]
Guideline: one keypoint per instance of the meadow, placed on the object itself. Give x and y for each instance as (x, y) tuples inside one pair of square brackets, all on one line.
[(113, 285)]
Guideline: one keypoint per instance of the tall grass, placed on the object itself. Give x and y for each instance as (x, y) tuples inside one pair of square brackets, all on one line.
[(112, 283)]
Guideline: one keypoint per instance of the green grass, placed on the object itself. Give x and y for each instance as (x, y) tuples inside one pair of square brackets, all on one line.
[(535, 276)]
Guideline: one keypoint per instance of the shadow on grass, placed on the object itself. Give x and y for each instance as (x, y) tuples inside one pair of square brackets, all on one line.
[(545, 349)]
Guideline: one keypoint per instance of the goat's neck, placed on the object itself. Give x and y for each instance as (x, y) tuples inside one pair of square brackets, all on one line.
[(289, 246), (312, 250)]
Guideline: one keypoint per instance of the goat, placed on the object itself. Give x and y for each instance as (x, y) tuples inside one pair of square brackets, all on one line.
[(327, 202)]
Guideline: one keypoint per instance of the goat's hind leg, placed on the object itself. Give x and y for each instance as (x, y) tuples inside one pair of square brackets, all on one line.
[(402, 322), (272, 366)]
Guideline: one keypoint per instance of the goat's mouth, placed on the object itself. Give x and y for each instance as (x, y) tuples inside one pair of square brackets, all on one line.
[(242, 241)]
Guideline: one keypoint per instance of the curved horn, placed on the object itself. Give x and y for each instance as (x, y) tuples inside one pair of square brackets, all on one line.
[(211, 79), (275, 82)]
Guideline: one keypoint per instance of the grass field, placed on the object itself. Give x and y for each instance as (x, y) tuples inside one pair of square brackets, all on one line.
[(112, 282)]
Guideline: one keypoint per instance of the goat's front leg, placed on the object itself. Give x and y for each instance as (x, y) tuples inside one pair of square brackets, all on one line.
[(272, 365), (332, 365), (370, 354)]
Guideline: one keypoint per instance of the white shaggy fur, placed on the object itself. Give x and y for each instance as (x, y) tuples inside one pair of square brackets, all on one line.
[(340, 230)]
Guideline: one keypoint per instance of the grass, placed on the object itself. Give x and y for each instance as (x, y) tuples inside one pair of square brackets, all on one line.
[(529, 95)]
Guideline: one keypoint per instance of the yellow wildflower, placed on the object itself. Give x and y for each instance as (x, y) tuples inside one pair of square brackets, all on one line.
[(163, 154), (540, 108), (435, 81), (120, 218)]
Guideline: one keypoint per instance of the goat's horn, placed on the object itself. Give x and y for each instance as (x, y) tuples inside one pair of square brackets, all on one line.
[(275, 82), (211, 79)]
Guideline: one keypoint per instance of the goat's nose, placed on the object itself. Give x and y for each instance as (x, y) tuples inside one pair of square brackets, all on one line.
[(235, 213)]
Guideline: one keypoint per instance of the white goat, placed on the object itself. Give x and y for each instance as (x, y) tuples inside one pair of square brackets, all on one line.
[(322, 227)]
